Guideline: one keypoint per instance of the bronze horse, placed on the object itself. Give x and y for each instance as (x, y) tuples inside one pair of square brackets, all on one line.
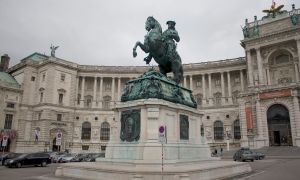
[(156, 46)]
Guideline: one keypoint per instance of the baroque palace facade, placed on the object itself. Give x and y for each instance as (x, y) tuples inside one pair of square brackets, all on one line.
[(48, 103)]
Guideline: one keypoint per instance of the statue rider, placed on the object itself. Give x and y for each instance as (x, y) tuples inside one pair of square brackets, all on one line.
[(168, 36)]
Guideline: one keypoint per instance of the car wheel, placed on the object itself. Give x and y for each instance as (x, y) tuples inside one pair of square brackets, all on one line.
[(43, 164), (19, 165), (260, 158), (252, 160)]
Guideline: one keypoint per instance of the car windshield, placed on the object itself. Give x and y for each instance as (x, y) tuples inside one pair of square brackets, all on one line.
[(22, 155), (247, 152)]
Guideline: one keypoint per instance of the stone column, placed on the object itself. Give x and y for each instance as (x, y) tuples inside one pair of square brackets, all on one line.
[(296, 115), (242, 81), (119, 89), (203, 89), (76, 91), (268, 76), (210, 90), (94, 93), (250, 68), (229, 88), (101, 92), (260, 67), (296, 73), (223, 88), (191, 82), (298, 49), (82, 91), (259, 123), (184, 81), (113, 88)]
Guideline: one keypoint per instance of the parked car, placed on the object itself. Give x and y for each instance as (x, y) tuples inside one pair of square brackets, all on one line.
[(55, 158), (7, 156), (93, 156), (29, 159), (258, 155), (67, 158), (243, 154), (79, 158)]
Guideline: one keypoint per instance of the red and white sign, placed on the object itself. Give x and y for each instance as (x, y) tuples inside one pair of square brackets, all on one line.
[(58, 138), (58, 135), (162, 134), (4, 141)]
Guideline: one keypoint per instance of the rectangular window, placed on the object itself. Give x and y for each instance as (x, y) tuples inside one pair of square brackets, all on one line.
[(62, 77), (10, 105), (41, 97), (85, 147), (59, 117), (8, 121), (103, 148), (60, 98), (218, 82), (198, 84), (39, 116), (43, 76)]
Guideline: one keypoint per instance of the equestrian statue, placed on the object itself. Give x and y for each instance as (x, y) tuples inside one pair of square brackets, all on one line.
[(161, 47)]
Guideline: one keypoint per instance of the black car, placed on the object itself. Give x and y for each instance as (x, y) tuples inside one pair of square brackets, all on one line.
[(7, 156), (30, 159)]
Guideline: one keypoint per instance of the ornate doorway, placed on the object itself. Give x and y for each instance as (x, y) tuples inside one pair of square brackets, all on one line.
[(279, 126)]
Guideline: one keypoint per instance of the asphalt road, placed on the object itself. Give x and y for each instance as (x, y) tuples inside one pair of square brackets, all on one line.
[(273, 169)]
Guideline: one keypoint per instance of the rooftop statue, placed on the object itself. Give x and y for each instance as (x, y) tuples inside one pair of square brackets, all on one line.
[(162, 48), (53, 49), (273, 10)]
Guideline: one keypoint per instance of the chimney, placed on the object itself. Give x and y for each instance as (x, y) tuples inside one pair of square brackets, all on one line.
[(4, 63)]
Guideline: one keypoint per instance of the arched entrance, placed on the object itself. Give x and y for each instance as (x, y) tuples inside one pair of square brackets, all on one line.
[(279, 126)]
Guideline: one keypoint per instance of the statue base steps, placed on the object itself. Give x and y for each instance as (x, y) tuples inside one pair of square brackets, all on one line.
[(193, 170)]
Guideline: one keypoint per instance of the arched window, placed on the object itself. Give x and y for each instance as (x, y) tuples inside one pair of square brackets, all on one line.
[(104, 131), (106, 102), (88, 101), (86, 130), (218, 130), (236, 129), (199, 98), (217, 97)]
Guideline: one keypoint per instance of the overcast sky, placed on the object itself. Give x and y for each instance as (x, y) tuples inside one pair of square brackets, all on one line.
[(103, 32)]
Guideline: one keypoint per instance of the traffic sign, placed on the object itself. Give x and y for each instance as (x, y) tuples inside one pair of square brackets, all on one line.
[(58, 142), (4, 141), (59, 135), (162, 134)]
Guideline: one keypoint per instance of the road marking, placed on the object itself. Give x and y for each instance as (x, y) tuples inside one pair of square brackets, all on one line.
[(252, 175)]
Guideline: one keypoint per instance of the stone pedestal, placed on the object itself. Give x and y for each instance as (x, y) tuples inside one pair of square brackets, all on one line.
[(155, 113)]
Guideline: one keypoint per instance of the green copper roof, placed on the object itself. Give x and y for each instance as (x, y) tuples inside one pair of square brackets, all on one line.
[(7, 78), (37, 57)]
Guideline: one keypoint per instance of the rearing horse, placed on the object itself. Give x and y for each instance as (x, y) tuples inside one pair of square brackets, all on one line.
[(157, 48)]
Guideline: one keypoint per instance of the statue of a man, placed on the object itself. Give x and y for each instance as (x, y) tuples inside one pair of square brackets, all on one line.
[(53, 49), (169, 36)]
